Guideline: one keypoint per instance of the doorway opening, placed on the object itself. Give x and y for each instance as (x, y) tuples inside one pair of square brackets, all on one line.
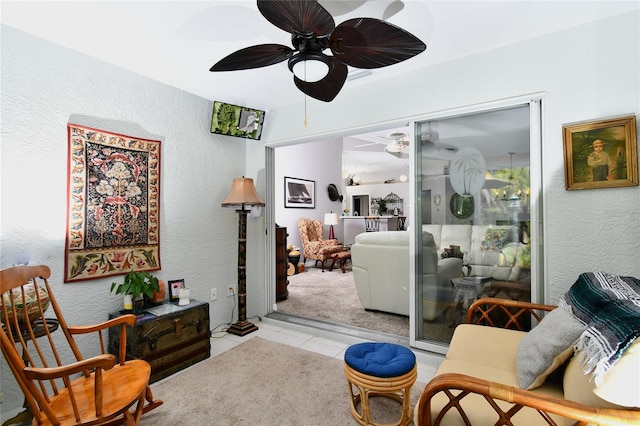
[(421, 201)]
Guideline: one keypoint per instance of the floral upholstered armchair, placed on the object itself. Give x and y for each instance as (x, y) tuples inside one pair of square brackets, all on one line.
[(314, 245)]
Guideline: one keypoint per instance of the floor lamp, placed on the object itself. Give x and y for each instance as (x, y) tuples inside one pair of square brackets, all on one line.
[(243, 193)]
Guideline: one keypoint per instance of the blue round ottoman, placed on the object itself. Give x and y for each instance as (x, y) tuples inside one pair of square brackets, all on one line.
[(379, 369)]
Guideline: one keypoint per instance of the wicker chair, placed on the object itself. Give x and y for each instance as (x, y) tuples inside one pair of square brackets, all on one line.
[(455, 398), (315, 247)]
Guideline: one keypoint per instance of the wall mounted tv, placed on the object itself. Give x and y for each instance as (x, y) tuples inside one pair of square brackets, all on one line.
[(234, 120)]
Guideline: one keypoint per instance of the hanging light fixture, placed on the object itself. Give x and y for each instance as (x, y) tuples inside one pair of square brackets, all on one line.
[(310, 66), (510, 193)]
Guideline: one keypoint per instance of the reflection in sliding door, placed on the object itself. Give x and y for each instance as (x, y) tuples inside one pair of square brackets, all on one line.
[(476, 235)]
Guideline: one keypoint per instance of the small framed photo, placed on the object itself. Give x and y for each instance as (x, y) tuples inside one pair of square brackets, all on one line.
[(174, 289), (601, 154), (299, 193)]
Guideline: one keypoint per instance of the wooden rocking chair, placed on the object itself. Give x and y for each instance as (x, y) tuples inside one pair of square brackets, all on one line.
[(95, 390)]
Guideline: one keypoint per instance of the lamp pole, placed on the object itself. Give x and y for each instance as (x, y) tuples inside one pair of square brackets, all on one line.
[(242, 326), (242, 193)]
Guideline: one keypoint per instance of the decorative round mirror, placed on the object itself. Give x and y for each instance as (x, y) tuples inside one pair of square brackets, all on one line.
[(461, 207)]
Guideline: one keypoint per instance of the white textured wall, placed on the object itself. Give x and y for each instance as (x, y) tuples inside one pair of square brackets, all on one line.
[(45, 86), (588, 72)]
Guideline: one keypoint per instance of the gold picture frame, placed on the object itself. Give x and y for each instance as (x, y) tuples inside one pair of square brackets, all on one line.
[(601, 154)]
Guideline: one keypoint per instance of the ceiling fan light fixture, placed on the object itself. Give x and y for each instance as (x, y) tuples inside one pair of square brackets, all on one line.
[(310, 66), (395, 147)]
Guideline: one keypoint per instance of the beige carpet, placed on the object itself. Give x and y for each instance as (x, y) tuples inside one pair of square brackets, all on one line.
[(260, 383), (331, 296)]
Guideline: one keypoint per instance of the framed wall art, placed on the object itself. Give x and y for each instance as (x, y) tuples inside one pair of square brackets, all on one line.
[(235, 120), (299, 193), (601, 154), (113, 204), (174, 290)]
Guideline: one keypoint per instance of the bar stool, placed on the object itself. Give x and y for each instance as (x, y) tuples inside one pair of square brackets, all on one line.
[(380, 369), (372, 223)]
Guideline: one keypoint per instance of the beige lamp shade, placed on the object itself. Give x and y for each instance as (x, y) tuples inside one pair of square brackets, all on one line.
[(331, 219), (243, 192)]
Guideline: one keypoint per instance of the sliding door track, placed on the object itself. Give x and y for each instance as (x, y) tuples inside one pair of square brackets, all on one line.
[(348, 330)]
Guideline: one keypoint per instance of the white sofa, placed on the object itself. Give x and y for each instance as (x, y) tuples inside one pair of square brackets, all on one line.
[(381, 271), (490, 250)]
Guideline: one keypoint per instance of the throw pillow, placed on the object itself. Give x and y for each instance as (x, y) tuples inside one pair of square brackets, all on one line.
[(516, 252), (547, 346), (524, 257), (496, 238), (509, 254)]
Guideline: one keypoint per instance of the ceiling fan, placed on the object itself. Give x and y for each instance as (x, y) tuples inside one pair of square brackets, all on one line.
[(359, 42), (398, 142)]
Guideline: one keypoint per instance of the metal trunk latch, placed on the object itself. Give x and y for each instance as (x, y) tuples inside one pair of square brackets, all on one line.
[(177, 326)]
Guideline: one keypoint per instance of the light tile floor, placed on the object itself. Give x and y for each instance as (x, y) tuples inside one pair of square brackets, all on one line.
[(325, 342)]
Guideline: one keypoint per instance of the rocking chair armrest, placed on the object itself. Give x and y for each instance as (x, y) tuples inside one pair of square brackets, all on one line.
[(128, 319), (493, 391), (104, 361), (479, 310)]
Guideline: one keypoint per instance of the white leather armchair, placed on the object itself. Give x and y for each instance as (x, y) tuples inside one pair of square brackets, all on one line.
[(381, 269)]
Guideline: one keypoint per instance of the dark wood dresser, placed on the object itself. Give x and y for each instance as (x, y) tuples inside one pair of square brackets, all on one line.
[(282, 262), (176, 338)]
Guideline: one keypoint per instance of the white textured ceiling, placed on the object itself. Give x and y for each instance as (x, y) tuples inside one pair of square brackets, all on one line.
[(176, 42)]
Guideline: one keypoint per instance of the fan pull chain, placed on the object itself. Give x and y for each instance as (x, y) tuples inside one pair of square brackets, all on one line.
[(305, 95), (305, 110)]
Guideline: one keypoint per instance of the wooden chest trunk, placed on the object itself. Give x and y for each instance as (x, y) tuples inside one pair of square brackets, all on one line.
[(175, 339)]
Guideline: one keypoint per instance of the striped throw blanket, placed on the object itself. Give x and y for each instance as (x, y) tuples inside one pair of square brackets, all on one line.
[(610, 307)]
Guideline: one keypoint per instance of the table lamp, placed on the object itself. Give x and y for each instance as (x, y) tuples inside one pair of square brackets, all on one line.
[(243, 193), (331, 219)]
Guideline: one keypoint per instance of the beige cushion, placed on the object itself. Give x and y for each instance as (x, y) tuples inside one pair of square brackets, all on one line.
[(621, 384), (476, 406), (485, 346), (547, 346), (579, 386)]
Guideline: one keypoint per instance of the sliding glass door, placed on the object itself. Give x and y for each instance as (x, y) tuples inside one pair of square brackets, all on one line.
[(477, 180)]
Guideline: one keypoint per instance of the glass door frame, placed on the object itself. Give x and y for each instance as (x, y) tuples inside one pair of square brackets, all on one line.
[(535, 144)]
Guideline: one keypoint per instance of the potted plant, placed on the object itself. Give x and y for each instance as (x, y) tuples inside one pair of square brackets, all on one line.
[(136, 285), (382, 206)]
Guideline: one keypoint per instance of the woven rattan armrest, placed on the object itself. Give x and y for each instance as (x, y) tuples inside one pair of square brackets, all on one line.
[(480, 312), (457, 386)]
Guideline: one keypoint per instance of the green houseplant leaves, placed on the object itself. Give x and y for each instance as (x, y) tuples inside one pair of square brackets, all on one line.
[(137, 283)]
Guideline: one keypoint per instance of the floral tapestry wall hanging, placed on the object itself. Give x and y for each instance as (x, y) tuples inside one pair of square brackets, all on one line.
[(113, 208)]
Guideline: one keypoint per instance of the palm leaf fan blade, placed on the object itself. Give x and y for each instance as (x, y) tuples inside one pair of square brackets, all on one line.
[(250, 57), (372, 43), (327, 88), (301, 17)]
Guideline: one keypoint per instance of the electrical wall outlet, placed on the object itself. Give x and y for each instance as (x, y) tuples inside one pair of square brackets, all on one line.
[(214, 294), (230, 291)]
